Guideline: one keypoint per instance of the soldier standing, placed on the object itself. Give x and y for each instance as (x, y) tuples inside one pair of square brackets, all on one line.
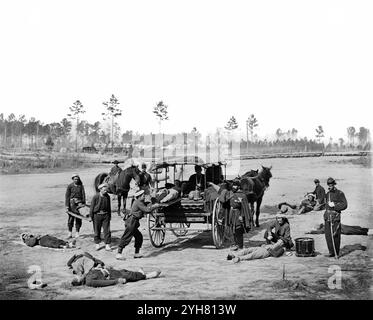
[(335, 203), (100, 213), (74, 200)]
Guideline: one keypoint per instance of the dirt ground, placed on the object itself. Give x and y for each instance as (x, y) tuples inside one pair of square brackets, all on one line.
[(191, 266)]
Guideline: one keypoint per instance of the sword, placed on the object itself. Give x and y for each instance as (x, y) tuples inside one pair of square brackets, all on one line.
[(332, 234)]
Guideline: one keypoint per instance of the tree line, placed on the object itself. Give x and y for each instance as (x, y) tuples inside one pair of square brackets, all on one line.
[(73, 133)]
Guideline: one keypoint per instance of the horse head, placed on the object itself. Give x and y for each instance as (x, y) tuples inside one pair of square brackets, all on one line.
[(266, 175), (134, 173)]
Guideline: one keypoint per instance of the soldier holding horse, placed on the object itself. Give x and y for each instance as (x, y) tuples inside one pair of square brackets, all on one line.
[(254, 187), (121, 183)]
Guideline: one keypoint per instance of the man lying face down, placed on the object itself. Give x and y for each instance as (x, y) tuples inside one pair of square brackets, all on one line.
[(46, 241), (92, 272)]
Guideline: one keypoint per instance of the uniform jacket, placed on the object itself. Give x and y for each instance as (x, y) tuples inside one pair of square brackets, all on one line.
[(139, 208), (281, 231), (339, 199), (319, 192), (83, 263), (74, 191), (96, 203), (145, 178)]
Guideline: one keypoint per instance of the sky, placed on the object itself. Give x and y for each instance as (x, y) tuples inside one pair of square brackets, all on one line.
[(293, 64)]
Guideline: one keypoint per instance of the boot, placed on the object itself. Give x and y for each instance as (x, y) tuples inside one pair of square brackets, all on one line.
[(153, 274), (76, 234), (69, 235), (107, 247), (119, 256), (98, 247), (138, 255)]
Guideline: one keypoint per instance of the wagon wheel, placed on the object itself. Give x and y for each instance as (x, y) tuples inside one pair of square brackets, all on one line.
[(217, 229), (182, 228), (156, 228)]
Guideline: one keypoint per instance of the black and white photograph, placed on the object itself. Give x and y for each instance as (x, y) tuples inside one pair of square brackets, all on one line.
[(210, 151)]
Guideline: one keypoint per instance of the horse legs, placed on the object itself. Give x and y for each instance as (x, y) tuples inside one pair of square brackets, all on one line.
[(258, 203)]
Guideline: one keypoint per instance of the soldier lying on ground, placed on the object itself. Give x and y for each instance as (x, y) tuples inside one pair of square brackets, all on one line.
[(92, 272), (345, 229), (262, 252), (46, 241)]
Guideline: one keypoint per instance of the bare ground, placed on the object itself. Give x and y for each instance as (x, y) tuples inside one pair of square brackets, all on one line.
[(191, 266)]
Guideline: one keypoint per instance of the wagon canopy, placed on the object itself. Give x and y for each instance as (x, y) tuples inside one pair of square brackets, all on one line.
[(183, 160)]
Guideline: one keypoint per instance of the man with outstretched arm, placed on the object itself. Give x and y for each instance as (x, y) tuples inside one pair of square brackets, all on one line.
[(132, 224)]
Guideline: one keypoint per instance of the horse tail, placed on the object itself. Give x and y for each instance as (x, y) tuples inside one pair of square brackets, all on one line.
[(286, 204), (99, 179)]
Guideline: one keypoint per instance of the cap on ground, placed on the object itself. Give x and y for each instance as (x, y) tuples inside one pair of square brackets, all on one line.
[(102, 185), (139, 193)]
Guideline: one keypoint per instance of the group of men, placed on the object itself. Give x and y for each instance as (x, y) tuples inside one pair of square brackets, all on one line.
[(334, 201), (315, 200), (100, 211), (277, 234), (92, 272)]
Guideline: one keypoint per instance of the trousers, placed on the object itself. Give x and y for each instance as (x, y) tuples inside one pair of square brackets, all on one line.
[(253, 253), (238, 235), (132, 225), (332, 231), (52, 242), (71, 219), (101, 221)]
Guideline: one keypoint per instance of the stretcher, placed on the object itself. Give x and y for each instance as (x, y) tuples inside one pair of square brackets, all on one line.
[(78, 216)]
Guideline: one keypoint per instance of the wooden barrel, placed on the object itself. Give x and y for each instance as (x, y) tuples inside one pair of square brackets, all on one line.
[(305, 247)]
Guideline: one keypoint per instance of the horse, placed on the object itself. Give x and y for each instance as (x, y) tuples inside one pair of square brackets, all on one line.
[(251, 173), (254, 187), (121, 183)]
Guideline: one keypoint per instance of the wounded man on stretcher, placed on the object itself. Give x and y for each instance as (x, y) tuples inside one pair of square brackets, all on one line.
[(171, 192)]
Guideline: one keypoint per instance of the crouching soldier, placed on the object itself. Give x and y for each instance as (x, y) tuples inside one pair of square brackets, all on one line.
[(279, 230)]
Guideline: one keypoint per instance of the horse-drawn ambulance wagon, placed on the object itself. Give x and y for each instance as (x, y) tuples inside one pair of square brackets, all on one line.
[(196, 207)]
